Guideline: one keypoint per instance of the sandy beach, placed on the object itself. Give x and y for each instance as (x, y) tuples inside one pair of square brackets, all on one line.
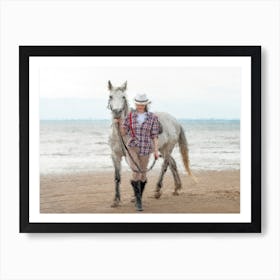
[(93, 192)]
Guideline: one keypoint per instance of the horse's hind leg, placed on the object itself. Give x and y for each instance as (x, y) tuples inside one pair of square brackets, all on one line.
[(159, 183), (117, 165), (174, 170)]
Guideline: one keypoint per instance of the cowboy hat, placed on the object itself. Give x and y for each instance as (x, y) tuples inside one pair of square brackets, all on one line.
[(141, 99)]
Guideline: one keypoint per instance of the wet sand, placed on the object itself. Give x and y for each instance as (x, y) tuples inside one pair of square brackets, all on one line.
[(93, 192)]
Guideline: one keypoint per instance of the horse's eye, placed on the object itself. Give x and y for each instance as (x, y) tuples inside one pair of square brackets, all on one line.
[(123, 97), (110, 96)]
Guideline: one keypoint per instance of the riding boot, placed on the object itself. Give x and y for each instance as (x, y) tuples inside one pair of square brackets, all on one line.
[(143, 187), (137, 188), (133, 184)]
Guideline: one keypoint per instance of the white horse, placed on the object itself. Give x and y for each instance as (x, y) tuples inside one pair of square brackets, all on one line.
[(172, 133)]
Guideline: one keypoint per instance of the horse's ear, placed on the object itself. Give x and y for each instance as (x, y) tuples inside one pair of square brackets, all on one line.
[(110, 86), (124, 86)]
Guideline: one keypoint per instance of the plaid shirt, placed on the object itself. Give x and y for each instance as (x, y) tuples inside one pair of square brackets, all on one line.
[(144, 133)]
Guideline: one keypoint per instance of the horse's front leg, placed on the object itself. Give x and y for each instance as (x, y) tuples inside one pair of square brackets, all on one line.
[(117, 166)]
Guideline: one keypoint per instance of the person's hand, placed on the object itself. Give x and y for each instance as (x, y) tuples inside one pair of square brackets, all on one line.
[(156, 154)]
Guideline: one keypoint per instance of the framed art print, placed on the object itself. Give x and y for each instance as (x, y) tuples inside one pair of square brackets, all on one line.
[(92, 161)]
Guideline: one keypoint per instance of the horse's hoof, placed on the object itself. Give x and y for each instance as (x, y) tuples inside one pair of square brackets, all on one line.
[(115, 204), (175, 193), (157, 194)]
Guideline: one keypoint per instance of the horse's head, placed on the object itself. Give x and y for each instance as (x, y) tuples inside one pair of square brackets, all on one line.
[(117, 102)]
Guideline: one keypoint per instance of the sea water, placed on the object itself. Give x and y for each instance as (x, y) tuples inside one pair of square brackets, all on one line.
[(68, 146)]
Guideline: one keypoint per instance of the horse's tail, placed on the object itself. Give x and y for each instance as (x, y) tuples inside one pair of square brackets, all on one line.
[(183, 145)]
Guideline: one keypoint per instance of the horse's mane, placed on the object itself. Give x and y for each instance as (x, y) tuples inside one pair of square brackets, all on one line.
[(126, 107)]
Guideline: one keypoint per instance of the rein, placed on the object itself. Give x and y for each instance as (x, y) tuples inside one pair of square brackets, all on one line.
[(123, 146), (130, 123), (138, 167)]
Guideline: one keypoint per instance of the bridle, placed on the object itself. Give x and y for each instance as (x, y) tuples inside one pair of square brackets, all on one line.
[(124, 147), (109, 106)]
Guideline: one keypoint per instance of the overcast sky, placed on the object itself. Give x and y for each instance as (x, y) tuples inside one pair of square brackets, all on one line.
[(185, 92)]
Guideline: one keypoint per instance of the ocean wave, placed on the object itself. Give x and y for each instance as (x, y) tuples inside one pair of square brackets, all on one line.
[(68, 147)]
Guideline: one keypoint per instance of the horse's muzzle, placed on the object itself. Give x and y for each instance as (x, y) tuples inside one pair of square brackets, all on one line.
[(117, 113)]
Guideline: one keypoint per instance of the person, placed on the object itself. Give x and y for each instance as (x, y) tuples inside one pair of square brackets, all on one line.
[(142, 127)]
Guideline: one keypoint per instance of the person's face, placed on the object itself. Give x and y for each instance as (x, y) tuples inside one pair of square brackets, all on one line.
[(140, 108)]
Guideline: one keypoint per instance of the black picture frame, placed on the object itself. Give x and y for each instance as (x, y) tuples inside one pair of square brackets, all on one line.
[(25, 52)]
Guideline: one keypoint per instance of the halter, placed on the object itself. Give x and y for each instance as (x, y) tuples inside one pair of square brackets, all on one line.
[(109, 106)]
